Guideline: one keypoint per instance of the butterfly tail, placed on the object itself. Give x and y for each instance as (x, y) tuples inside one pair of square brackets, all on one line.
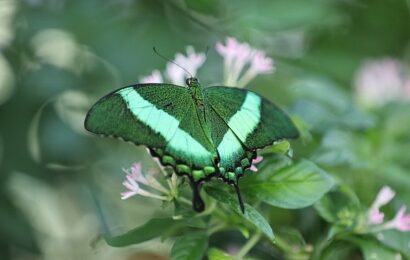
[(240, 200), (197, 202)]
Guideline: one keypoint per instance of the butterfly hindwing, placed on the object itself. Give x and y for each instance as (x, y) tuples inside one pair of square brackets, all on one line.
[(160, 116), (253, 120), (230, 149)]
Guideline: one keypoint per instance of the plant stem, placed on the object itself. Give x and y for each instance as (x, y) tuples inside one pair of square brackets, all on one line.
[(216, 228), (184, 200), (249, 245), (282, 245)]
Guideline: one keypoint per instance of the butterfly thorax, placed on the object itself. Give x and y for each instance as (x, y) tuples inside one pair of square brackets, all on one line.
[(196, 91)]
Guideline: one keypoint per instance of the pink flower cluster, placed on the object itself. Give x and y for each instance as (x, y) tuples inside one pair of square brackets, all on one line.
[(134, 178), (381, 81), (242, 63), (237, 56), (400, 222)]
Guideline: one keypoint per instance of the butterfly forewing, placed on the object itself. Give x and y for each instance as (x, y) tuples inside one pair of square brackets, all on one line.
[(159, 116)]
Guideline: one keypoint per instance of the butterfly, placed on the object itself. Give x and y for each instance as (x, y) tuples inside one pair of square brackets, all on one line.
[(200, 132)]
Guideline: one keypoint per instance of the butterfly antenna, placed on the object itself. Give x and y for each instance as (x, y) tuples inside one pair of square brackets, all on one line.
[(173, 62)]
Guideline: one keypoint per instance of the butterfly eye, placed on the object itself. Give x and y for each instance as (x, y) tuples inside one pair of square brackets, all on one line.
[(188, 81)]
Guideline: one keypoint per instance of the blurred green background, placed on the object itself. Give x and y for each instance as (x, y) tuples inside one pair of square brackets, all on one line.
[(60, 186)]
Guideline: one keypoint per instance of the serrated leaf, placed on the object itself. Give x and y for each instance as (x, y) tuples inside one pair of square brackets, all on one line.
[(155, 227), (216, 254), (251, 214), (190, 247), (295, 186)]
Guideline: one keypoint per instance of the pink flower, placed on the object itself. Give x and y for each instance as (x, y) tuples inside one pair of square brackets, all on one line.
[(191, 62), (261, 63), (133, 180), (381, 81), (136, 174), (237, 56), (257, 160), (401, 221), (132, 187), (228, 51), (384, 196), (375, 216), (154, 77)]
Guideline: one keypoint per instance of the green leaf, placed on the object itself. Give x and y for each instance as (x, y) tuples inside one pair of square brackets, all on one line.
[(373, 250), (281, 147), (343, 148), (396, 240), (339, 206), (155, 227), (251, 214), (209, 7), (295, 186), (323, 105), (190, 247), (287, 14), (15, 228), (216, 254)]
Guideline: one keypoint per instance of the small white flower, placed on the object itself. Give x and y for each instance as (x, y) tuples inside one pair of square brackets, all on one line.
[(154, 77), (191, 62)]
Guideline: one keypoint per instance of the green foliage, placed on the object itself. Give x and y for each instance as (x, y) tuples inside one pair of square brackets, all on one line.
[(189, 247), (372, 249), (295, 186), (155, 227), (216, 254), (251, 214), (397, 241), (58, 57), (339, 206)]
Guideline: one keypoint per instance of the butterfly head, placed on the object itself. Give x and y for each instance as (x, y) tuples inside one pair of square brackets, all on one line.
[(192, 82)]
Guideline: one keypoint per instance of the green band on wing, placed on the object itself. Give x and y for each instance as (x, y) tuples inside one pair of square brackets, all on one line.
[(229, 149), (167, 126), (241, 124), (247, 118)]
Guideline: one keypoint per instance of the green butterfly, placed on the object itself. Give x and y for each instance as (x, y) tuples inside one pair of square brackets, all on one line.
[(199, 132)]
